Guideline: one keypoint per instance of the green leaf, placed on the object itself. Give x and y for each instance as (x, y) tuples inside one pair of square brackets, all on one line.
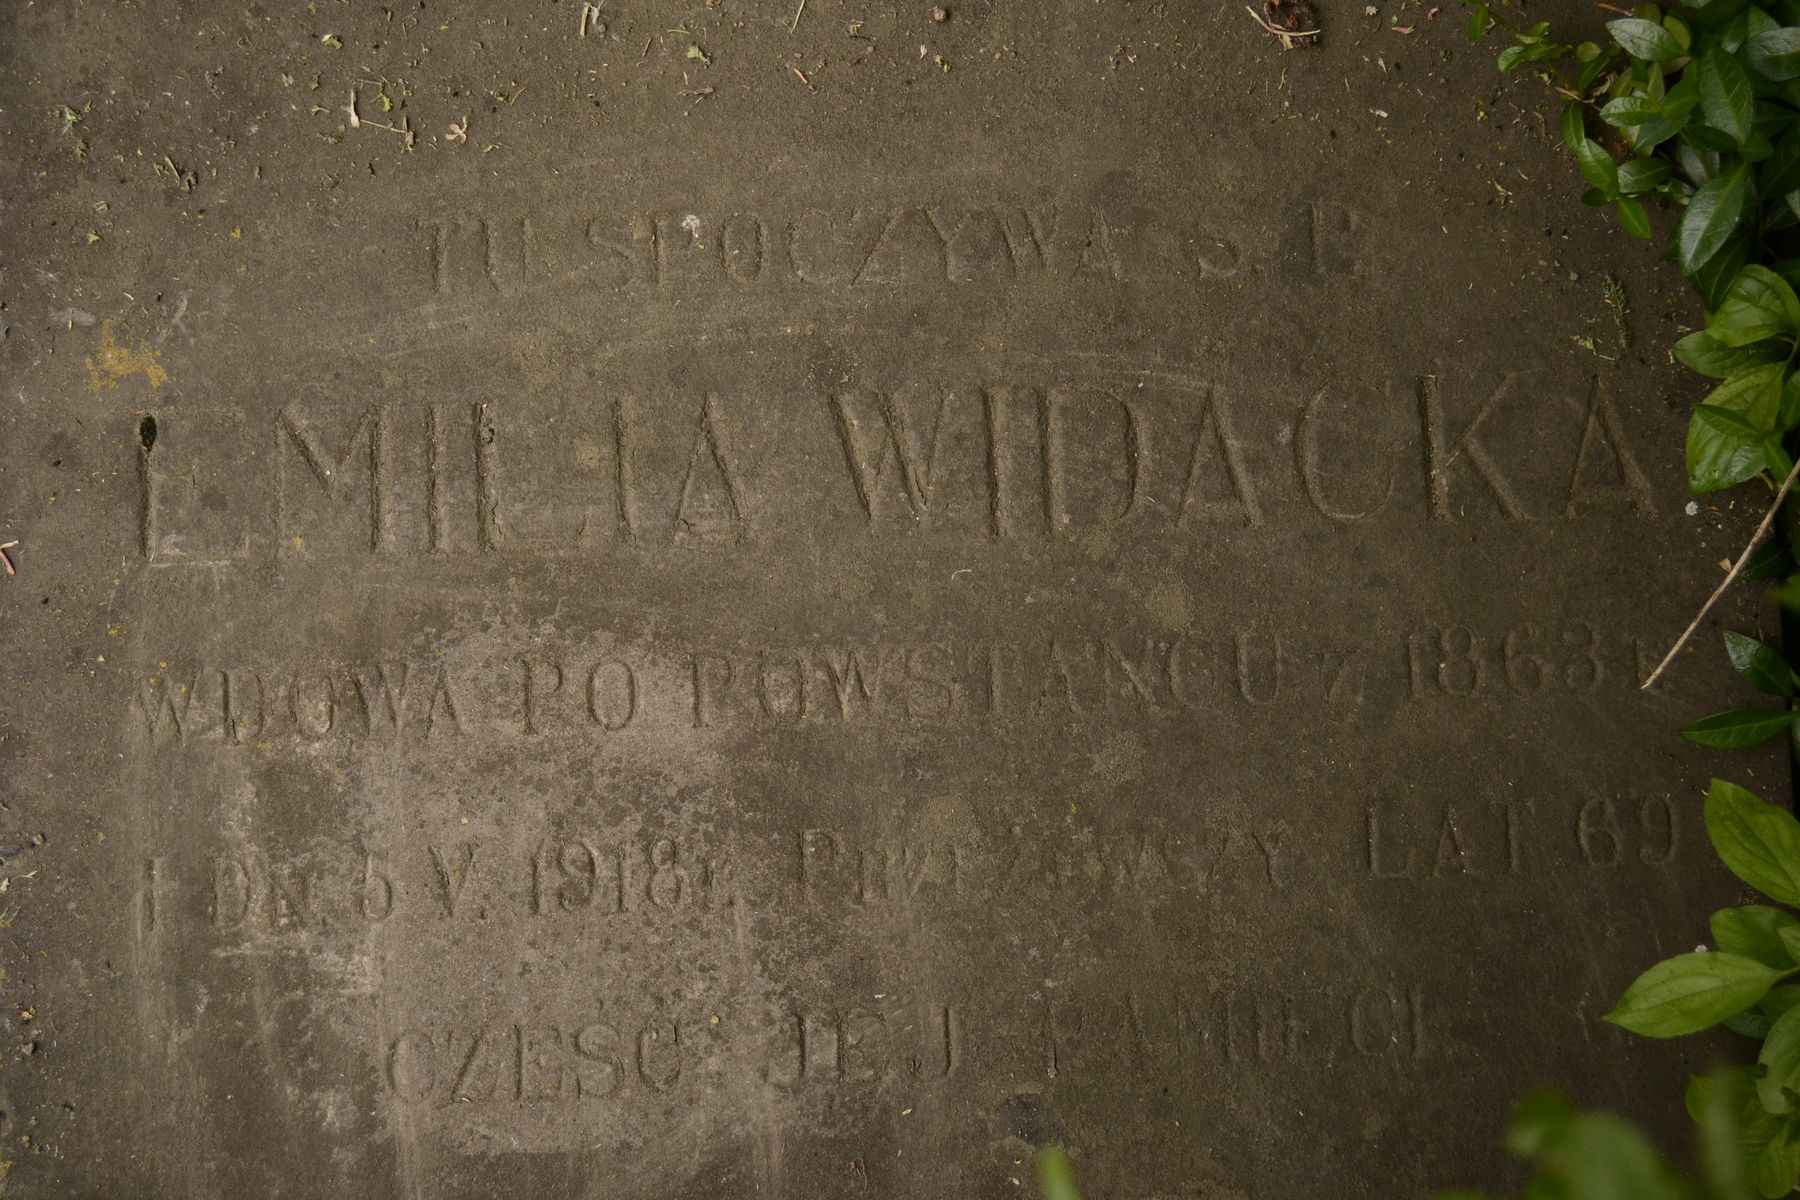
[(1774, 53), (1479, 22), (1788, 414), (1759, 305), (1789, 270), (1708, 138), (1754, 931), (1725, 95), (1740, 728), (1513, 56), (1753, 393), (1757, 841), (1718, 1108), (1595, 64), (1691, 992), (1749, 1023), (1679, 28), (1633, 218), (1056, 1178), (1642, 175), (1764, 1142), (1780, 173), (1701, 351), (1713, 280), (1540, 1120), (1597, 166), (1712, 216), (1723, 450), (1772, 561), (1760, 664), (1628, 111), (1606, 1158), (1780, 1060), (1774, 1151), (1574, 129), (1781, 997), (1645, 40)]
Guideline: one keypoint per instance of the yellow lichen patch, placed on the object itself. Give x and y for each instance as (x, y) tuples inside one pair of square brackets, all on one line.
[(115, 363)]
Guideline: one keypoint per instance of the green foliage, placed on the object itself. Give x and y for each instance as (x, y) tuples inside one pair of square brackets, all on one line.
[(1749, 1116), (1056, 1178), (1702, 109), (1740, 1150)]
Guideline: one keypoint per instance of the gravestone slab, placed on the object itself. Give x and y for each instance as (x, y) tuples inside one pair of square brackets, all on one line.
[(725, 599)]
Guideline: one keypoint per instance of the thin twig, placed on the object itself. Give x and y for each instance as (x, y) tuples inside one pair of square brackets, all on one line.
[(1280, 33), (1730, 576), (795, 23)]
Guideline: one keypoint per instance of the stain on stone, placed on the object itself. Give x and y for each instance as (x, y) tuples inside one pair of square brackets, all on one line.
[(114, 363), (1027, 1117)]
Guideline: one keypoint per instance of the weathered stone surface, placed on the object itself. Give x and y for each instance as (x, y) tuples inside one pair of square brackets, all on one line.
[(793, 604)]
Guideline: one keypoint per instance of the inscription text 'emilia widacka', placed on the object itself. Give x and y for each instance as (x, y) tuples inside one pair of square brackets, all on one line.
[(1016, 458)]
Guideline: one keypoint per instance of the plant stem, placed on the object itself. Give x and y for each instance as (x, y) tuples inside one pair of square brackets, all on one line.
[(1737, 569)]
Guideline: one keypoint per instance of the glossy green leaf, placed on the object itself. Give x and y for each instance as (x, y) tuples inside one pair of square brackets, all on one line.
[(1628, 111), (1760, 664), (1633, 218), (1514, 56), (1597, 166), (1757, 841), (1574, 128), (1641, 175), (1740, 728), (1723, 450), (1709, 138), (1780, 172), (1758, 305), (1725, 95), (1754, 931), (1774, 53), (1780, 1060), (1753, 393), (1711, 218), (1593, 66), (1701, 351), (1645, 40), (1788, 415), (1713, 279), (1691, 992)]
